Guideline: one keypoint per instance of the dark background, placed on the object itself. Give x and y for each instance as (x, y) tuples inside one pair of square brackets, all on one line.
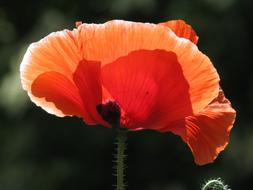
[(39, 151)]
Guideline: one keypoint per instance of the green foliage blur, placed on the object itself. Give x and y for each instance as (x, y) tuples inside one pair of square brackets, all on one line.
[(39, 151)]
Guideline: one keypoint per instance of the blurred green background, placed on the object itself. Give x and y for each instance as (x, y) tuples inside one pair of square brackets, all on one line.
[(39, 151)]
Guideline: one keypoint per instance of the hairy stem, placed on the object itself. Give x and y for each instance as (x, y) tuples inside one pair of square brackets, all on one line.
[(215, 184), (121, 146)]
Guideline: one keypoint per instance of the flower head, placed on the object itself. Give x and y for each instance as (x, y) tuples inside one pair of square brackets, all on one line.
[(134, 75)]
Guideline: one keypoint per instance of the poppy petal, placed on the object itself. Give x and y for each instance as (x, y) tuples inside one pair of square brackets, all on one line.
[(149, 86), (107, 42), (88, 82), (57, 52), (181, 29), (62, 51), (60, 91), (207, 133)]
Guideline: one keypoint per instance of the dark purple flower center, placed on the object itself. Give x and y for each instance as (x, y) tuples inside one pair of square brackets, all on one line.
[(110, 112)]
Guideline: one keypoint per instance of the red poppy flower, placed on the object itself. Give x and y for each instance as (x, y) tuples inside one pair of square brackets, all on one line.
[(140, 75)]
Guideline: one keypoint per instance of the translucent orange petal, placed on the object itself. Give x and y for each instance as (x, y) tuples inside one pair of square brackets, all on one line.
[(58, 90), (181, 29), (107, 42), (207, 133), (57, 52), (149, 86)]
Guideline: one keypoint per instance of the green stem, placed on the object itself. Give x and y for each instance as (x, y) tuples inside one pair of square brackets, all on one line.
[(121, 146), (215, 184)]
